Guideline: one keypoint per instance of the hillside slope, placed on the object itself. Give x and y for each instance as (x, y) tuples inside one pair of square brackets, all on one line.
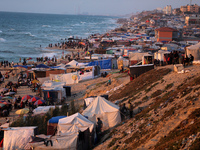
[(170, 113)]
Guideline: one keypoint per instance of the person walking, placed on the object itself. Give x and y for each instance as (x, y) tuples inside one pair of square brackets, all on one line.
[(130, 107)]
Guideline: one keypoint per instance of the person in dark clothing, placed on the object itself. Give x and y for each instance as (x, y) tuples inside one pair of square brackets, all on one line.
[(123, 111), (191, 58), (99, 128), (130, 107)]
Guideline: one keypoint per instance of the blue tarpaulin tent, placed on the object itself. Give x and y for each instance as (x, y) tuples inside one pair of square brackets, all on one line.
[(56, 119), (104, 64), (42, 66), (22, 66)]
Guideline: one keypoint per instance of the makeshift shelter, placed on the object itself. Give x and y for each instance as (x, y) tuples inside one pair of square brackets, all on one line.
[(43, 109), (136, 57), (73, 141), (72, 63), (104, 109), (90, 73), (18, 137), (54, 89), (147, 59), (68, 78), (103, 63), (74, 123), (52, 124), (42, 66), (162, 56), (121, 61), (137, 70), (195, 51)]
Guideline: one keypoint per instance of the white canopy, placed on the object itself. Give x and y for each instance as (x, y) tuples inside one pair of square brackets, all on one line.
[(17, 138), (194, 50), (68, 142), (74, 123), (104, 109), (72, 63)]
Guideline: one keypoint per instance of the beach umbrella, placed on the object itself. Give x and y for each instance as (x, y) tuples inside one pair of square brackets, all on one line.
[(2, 105), (29, 58), (39, 102), (34, 99), (22, 111), (27, 97), (9, 93), (3, 90), (6, 103), (7, 97)]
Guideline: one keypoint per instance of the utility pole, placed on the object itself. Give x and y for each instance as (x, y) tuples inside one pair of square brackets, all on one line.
[(190, 2)]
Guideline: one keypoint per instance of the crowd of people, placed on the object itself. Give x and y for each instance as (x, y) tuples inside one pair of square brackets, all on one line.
[(176, 57), (72, 43)]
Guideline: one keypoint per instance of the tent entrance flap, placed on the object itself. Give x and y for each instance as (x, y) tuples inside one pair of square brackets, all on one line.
[(50, 94)]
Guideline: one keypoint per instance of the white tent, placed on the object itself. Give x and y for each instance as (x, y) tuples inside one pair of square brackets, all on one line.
[(72, 63), (104, 109), (73, 124), (89, 100), (68, 142), (194, 50), (17, 137)]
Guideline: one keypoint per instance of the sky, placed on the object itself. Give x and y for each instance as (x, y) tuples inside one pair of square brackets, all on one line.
[(91, 7)]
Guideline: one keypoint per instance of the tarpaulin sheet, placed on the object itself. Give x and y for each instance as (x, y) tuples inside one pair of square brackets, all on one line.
[(104, 64)]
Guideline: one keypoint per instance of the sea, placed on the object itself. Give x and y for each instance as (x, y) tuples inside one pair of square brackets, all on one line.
[(25, 35)]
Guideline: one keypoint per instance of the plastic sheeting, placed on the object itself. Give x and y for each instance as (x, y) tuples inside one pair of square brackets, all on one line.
[(104, 64), (43, 109), (68, 142), (194, 50), (56, 119), (74, 123), (104, 109), (89, 100), (69, 78), (17, 138), (122, 62)]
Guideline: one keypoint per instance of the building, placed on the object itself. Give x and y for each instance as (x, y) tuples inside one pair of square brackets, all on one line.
[(190, 8), (183, 9), (168, 10), (192, 20), (193, 8), (166, 34)]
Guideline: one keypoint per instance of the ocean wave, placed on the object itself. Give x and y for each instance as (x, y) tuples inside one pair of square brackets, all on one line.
[(27, 33), (6, 52), (12, 29), (68, 30), (0, 31), (46, 26), (2, 40)]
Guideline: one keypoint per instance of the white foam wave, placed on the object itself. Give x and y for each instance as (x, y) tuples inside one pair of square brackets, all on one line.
[(46, 26), (2, 40), (27, 33), (0, 31), (68, 30), (12, 29)]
